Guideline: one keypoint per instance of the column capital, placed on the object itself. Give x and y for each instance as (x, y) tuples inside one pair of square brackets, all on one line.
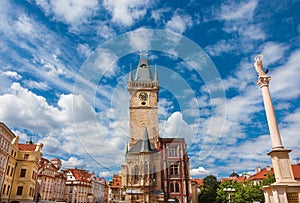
[(263, 81)]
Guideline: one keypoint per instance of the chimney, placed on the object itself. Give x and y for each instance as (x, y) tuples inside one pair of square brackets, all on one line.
[(257, 169)]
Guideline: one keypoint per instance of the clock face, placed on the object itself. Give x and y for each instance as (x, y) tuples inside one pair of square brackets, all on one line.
[(143, 96)]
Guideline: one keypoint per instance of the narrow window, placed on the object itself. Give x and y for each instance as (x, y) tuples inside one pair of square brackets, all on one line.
[(20, 190), (11, 171), (26, 156), (23, 173), (173, 151), (4, 187), (7, 191), (8, 168), (177, 187)]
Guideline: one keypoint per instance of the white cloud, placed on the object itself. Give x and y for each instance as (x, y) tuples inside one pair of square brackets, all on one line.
[(73, 12), (238, 11), (285, 78), (12, 74), (222, 46), (176, 127), (179, 23), (273, 52), (105, 174), (140, 39), (199, 171), (36, 85), (158, 14), (84, 49), (72, 162), (126, 12), (239, 20)]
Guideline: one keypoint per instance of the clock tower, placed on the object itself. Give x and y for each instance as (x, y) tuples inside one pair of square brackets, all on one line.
[(143, 109)]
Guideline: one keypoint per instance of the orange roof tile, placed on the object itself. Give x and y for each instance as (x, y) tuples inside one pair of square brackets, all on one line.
[(263, 174), (27, 147), (81, 174), (296, 170), (198, 181)]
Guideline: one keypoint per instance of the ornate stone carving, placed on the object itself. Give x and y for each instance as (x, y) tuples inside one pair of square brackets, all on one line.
[(263, 81)]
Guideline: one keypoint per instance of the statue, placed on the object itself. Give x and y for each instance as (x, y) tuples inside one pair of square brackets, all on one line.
[(259, 67)]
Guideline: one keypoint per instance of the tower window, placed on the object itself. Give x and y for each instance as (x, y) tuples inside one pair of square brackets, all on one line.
[(173, 151), (174, 169), (174, 188)]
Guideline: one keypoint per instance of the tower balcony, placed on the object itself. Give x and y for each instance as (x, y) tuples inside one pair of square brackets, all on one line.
[(143, 84)]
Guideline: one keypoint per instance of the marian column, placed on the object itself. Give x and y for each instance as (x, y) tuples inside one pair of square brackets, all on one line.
[(285, 187)]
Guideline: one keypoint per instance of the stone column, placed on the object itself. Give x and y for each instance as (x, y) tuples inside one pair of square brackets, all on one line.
[(263, 82), (285, 181)]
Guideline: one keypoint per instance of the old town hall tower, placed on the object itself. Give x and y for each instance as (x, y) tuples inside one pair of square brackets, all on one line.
[(143, 109), (156, 169)]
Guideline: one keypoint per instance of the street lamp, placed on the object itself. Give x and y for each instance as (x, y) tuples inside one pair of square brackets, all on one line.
[(229, 190)]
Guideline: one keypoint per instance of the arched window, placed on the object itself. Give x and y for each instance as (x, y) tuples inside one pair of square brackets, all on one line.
[(171, 187), (177, 187), (136, 173), (174, 187)]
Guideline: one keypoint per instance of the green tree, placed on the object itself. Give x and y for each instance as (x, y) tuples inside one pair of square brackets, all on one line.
[(269, 180), (208, 192), (244, 192)]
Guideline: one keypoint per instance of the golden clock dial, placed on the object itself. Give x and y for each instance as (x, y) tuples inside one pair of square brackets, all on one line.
[(143, 96)]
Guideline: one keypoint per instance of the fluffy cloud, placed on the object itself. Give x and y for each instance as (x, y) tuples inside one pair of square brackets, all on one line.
[(72, 162), (126, 12), (72, 12), (176, 127), (179, 23), (200, 171), (238, 18)]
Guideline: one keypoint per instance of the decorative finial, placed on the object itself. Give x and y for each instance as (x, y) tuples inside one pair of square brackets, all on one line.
[(155, 74), (259, 67), (130, 73), (143, 54)]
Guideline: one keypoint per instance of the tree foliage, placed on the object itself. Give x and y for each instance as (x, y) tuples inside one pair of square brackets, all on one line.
[(212, 191), (208, 192), (244, 192)]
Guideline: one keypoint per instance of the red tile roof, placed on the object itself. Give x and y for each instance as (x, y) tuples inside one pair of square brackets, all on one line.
[(27, 147), (296, 170), (198, 181), (80, 174), (263, 174)]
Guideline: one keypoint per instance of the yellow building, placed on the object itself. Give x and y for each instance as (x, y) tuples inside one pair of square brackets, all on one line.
[(6, 137), (21, 172)]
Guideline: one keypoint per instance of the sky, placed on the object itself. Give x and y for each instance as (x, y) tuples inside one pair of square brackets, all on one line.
[(64, 66)]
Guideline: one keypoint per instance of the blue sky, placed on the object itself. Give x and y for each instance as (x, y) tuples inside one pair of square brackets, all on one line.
[(65, 64)]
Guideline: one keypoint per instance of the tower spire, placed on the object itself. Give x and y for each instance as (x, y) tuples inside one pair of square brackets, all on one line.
[(146, 147), (143, 73), (155, 75), (130, 73)]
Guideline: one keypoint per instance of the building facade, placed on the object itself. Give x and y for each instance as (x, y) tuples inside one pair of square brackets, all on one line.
[(83, 186), (6, 137), (114, 190), (51, 181), (155, 169), (21, 173)]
